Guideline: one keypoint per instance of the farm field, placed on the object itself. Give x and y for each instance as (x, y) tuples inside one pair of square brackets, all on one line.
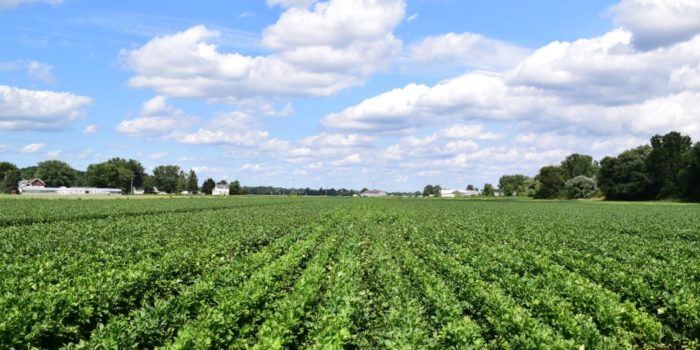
[(332, 273)]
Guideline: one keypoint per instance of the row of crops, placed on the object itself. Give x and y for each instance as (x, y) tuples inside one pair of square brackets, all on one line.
[(349, 273)]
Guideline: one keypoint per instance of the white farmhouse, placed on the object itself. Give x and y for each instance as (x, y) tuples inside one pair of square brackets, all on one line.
[(220, 190)]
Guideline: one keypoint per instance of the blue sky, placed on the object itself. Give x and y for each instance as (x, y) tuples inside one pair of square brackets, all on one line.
[(391, 94)]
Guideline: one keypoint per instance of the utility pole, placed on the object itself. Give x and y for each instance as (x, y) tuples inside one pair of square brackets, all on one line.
[(132, 183)]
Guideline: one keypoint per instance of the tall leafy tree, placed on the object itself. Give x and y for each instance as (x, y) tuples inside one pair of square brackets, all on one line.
[(625, 177), (134, 166), (149, 184), (551, 181), (192, 183), (690, 174), (235, 188), (109, 174), (166, 177), (55, 173), (208, 186), (10, 181), (488, 190), (511, 185), (5, 167), (470, 187), (665, 162), (579, 164)]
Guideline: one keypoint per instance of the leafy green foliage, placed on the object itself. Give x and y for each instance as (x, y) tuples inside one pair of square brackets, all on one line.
[(208, 186), (581, 187), (332, 273), (167, 178), (512, 185), (55, 173), (625, 177), (579, 165), (551, 181)]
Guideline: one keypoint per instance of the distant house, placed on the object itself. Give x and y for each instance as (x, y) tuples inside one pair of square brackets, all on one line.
[(220, 190), (458, 193), (373, 193), (31, 182)]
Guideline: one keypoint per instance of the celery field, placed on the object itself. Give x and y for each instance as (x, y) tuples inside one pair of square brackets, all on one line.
[(348, 273)]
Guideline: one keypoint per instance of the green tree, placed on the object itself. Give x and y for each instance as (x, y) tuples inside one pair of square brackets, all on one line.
[(690, 174), (470, 187), (110, 175), (192, 183), (665, 162), (208, 186), (511, 185), (551, 182), (625, 177), (488, 190), (581, 187), (167, 177), (11, 179), (427, 191), (235, 188), (134, 166), (149, 184), (579, 164), (55, 173), (181, 182), (28, 172), (6, 167)]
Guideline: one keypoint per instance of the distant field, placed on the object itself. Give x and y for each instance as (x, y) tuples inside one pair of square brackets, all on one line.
[(334, 273)]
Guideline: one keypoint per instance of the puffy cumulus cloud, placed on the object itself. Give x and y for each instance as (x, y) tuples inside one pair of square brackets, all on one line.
[(235, 128), (337, 140), (657, 23), (470, 96), (11, 4), (315, 52), (468, 50), (22, 109), (32, 148), (599, 85), (157, 118)]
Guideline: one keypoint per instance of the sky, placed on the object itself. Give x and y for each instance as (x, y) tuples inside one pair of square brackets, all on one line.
[(388, 94)]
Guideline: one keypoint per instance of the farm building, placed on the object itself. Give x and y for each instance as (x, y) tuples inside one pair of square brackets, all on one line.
[(220, 190), (36, 186), (373, 193), (458, 193)]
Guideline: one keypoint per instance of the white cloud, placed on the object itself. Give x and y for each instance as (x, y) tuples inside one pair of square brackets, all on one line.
[(157, 118), (11, 4), (348, 160), (90, 129), (22, 109), (32, 148), (412, 18), (290, 3), (234, 128), (599, 85), (158, 155), (41, 71), (3, 148), (316, 52), (657, 23), (467, 50)]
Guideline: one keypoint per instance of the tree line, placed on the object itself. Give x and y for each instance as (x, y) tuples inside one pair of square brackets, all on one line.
[(120, 173), (666, 168)]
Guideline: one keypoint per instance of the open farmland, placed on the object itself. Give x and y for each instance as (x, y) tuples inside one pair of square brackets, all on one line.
[(269, 273)]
